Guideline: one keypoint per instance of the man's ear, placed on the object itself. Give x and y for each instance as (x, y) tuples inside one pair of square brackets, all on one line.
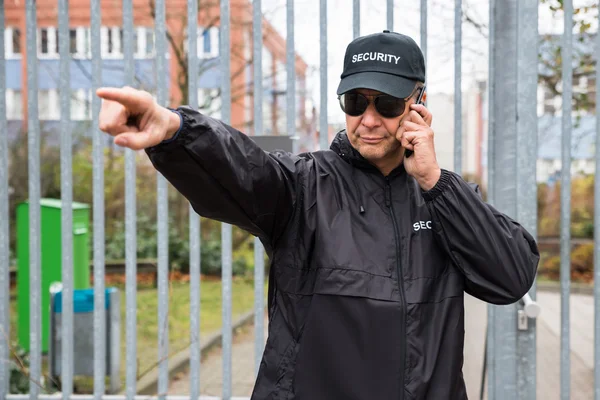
[(425, 97)]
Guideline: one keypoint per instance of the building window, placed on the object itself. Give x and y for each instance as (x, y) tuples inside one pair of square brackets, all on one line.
[(149, 45), (14, 105), (48, 105), (110, 38), (81, 105), (143, 42), (206, 42), (213, 50), (44, 43), (82, 43), (12, 42), (48, 42), (72, 41)]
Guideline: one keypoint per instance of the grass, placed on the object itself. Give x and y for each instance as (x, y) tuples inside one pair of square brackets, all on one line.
[(179, 320), (179, 316)]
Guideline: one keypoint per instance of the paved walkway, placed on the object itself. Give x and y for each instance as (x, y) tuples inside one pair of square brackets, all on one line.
[(548, 346), (211, 368), (548, 353)]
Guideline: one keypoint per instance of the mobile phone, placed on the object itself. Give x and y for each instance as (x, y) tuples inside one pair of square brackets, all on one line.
[(408, 153)]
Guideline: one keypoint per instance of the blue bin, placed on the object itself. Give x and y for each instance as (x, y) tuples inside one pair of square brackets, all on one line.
[(83, 334)]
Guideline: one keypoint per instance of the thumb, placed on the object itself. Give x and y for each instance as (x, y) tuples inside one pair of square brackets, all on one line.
[(137, 140)]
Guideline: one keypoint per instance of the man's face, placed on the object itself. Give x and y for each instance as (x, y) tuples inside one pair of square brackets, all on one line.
[(375, 136)]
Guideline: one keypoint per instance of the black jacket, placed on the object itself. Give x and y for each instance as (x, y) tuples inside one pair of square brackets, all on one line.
[(367, 272)]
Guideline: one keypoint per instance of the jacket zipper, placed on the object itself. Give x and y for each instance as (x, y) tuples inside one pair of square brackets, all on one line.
[(388, 202)]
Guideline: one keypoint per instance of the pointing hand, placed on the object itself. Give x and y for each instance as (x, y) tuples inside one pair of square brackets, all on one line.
[(134, 118)]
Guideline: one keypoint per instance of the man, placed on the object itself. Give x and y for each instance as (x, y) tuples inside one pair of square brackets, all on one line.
[(371, 248)]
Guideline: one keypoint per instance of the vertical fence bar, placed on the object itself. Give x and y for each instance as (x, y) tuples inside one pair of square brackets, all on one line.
[(259, 261), (390, 15), (505, 160), (194, 291), (162, 207), (323, 125), (66, 183), (596, 230), (4, 227), (98, 210), (458, 87), (565, 202), (226, 240), (424, 29), (130, 220), (490, 341), (527, 130), (33, 142), (259, 303), (291, 73), (356, 18), (192, 31), (226, 261)]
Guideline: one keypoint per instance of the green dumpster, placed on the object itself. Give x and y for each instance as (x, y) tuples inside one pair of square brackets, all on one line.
[(51, 259)]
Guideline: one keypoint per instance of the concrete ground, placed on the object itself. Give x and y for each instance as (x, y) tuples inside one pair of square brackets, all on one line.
[(548, 353)]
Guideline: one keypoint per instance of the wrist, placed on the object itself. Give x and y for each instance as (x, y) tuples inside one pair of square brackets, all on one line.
[(428, 182), (174, 125)]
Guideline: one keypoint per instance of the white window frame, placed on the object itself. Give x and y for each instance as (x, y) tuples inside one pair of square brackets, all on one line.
[(200, 44), (84, 48), (214, 42), (142, 41), (116, 52), (52, 113), (9, 52), (52, 38), (14, 105), (81, 108)]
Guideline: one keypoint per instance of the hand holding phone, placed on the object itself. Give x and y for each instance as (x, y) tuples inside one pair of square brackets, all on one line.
[(408, 153)]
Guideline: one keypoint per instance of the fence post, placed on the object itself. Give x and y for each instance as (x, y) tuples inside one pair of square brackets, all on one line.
[(527, 129), (565, 202), (502, 320)]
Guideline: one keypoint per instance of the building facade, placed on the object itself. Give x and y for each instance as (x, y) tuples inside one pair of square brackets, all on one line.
[(111, 37)]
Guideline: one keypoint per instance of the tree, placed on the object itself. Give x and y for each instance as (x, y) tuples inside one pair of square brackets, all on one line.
[(550, 50), (584, 63)]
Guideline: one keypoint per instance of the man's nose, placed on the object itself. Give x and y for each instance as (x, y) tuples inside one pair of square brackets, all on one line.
[(371, 118)]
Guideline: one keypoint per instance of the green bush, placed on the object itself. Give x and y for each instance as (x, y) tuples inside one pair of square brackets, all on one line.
[(211, 260), (582, 264), (179, 251)]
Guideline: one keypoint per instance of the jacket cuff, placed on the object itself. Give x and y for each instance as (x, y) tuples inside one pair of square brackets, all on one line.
[(174, 137), (439, 187), (181, 137)]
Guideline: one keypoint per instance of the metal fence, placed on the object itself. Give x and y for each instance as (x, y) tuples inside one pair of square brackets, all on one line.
[(512, 144)]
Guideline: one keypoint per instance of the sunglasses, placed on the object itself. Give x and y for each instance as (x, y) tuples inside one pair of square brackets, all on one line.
[(355, 104)]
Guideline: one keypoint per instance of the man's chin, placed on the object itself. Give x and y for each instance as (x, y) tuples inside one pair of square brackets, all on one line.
[(371, 153)]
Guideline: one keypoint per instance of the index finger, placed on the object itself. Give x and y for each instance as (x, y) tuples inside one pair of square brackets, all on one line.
[(128, 97), (423, 111), (417, 118)]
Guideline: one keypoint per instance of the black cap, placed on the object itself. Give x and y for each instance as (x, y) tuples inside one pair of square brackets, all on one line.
[(388, 62)]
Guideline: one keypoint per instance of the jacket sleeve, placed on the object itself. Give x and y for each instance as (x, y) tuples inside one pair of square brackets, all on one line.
[(226, 176), (497, 256)]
